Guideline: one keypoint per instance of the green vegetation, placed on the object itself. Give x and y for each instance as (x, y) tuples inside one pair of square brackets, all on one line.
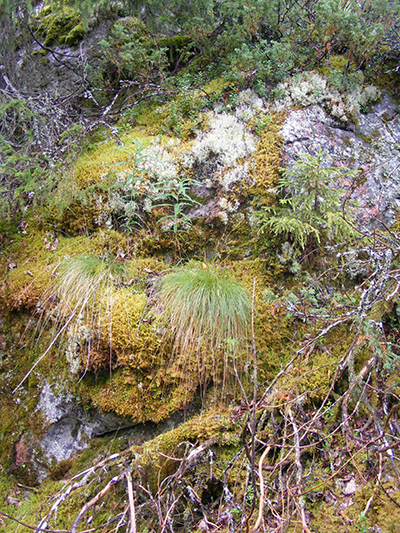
[(206, 313), (316, 205), (161, 262)]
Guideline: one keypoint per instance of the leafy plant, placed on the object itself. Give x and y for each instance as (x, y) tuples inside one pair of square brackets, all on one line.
[(150, 183), (362, 526), (314, 205), (203, 307), (178, 199)]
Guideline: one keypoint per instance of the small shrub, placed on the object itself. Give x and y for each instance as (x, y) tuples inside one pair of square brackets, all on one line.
[(312, 209), (127, 53)]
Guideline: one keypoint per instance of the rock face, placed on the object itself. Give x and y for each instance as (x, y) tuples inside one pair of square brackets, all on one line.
[(372, 146), (71, 428)]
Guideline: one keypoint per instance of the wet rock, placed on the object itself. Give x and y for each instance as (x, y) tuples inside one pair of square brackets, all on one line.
[(28, 466), (350, 488)]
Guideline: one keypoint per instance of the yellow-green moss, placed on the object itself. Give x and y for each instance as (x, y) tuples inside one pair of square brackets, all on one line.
[(142, 394), (33, 261), (334, 62), (345, 514), (214, 426), (60, 26), (132, 338), (75, 36), (35, 267), (105, 160), (216, 85), (268, 160)]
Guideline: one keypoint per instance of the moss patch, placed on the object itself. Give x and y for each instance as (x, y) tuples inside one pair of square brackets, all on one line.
[(268, 159), (60, 26)]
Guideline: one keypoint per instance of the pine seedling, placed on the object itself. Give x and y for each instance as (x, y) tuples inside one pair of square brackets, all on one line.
[(312, 209)]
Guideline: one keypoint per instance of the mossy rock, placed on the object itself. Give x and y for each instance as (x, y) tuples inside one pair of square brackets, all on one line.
[(268, 159), (178, 47), (56, 26), (214, 426), (75, 36), (34, 262), (132, 27)]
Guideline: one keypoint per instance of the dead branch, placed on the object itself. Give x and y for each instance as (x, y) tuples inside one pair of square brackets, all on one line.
[(301, 502), (356, 381), (131, 502), (343, 466), (262, 490), (94, 500)]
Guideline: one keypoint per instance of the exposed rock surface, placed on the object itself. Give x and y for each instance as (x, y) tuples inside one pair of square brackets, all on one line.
[(372, 146), (70, 427)]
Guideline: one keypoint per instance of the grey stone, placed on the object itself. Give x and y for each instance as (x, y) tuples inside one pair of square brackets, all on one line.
[(371, 146), (70, 427)]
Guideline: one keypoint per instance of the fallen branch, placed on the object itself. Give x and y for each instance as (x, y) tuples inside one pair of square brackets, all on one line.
[(131, 502), (262, 490), (94, 500)]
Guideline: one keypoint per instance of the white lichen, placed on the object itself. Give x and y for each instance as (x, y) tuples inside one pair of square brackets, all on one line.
[(310, 88), (159, 162), (239, 174), (78, 335), (226, 140)]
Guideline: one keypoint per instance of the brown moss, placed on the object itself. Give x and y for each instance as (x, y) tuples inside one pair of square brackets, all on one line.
[(76, 217)]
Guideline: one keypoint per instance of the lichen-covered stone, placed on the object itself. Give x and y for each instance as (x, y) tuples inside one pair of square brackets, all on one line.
[(372, 147)]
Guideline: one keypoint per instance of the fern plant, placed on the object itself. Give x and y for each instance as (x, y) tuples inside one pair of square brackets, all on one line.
[(316, 207)]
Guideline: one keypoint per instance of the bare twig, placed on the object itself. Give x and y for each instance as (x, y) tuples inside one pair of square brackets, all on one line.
[(262, 490), (94, 500), (131, 502)]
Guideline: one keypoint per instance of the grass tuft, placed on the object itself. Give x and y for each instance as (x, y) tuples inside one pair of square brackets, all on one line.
[(82, 277), (206, 312), (80, 304)]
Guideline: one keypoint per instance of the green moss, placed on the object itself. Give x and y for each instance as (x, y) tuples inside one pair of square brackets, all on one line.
[(150, 383), (36, 259), (132, 339), (97, 164), (217, 86), (177, 48), (133, 27), (59, 26), (268, 160), (142, 395), (75, 36), (214, 426)]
